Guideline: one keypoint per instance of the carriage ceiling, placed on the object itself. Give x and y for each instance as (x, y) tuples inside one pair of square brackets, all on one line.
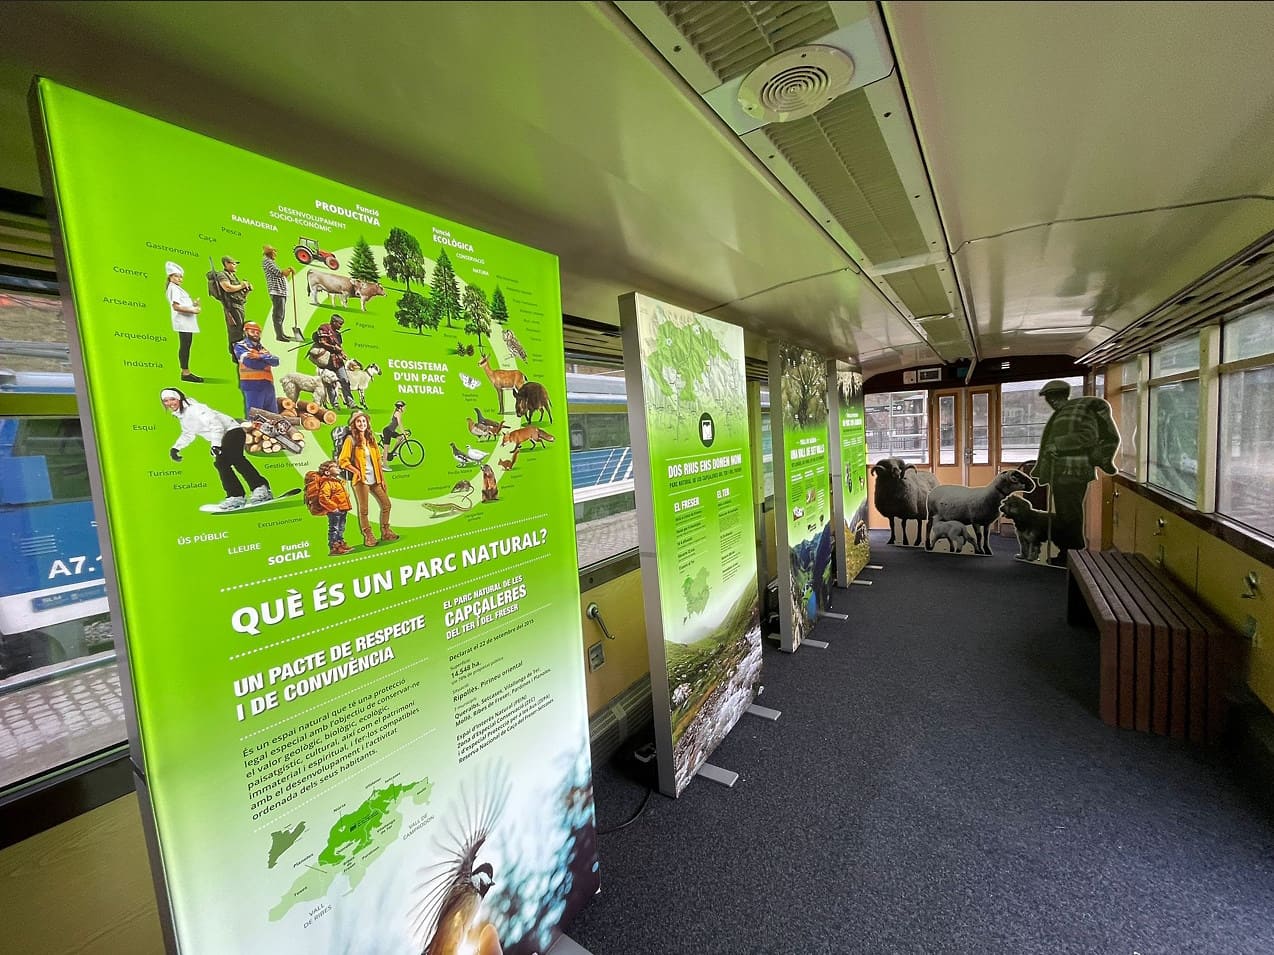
[(1024, 179)]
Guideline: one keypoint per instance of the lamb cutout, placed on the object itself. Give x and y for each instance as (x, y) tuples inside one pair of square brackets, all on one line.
[(978, 506), (954, 533)]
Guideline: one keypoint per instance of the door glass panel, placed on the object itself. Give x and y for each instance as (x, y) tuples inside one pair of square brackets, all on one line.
[(981, 428), (946, 429)]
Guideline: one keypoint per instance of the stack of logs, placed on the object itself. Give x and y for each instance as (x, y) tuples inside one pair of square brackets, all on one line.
[(269, 433)]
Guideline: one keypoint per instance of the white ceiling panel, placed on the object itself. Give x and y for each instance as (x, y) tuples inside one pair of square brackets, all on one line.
[(1034, 115), (542, 122)]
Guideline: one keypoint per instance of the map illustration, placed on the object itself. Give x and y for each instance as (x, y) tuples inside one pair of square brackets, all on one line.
[(354, 843), (696, 591), (687, 369), (283, 840)]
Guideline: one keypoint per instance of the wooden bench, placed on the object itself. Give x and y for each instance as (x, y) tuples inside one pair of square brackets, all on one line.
[(1165, 661)]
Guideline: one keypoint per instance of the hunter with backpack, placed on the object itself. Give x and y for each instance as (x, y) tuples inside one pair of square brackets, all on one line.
[(225, 287)]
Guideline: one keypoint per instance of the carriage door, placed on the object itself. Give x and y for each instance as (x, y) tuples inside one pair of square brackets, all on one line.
[(965, 435)]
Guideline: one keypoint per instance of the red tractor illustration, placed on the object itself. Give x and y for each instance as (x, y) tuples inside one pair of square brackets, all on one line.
[(307, 251)]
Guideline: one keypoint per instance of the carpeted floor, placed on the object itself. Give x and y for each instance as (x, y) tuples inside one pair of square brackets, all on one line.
[(938, 782)]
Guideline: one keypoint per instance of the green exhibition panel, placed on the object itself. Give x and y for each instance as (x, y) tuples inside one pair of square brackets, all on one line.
[(353, 633), (849, 467), (802, 489), (688, 414)]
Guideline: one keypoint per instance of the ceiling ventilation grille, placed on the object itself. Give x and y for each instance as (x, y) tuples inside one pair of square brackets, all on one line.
[(1242, 280), (792, 85), (842, 156), (734, 38)]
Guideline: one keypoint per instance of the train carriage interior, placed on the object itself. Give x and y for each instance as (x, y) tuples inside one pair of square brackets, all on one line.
[(970, 202)]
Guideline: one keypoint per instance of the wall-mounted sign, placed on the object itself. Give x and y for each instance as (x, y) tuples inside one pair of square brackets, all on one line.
[(688, 414), (341, 540)]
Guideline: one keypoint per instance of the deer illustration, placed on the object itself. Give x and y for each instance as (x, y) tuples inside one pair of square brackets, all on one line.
[(502, 380)]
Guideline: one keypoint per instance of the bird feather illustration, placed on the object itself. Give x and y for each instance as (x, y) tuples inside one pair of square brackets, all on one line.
[(445, 918)]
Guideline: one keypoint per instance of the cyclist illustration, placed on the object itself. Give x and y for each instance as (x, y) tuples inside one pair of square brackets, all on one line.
[(398, 442)]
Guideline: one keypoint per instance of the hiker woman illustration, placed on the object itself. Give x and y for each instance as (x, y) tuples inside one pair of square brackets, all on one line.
[(360, 455)]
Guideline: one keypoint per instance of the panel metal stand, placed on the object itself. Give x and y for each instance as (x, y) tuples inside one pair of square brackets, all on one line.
[(821, 644), (834, 615), (726, 777), (875, 566), (762, 711), (565, 945), (862, 583)]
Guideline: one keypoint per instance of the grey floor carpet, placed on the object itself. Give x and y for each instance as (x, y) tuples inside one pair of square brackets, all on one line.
[(939, 782)]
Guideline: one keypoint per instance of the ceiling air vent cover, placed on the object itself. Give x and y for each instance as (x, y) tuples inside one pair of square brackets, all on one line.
[(796, 83)]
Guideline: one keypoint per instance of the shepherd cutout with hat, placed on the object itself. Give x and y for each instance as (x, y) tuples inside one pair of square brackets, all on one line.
[(1080, 436)]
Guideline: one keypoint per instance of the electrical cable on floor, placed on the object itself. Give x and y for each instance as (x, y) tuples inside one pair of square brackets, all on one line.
[(635, 816)]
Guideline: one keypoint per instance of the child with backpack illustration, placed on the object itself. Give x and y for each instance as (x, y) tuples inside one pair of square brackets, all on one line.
[(325, 494)]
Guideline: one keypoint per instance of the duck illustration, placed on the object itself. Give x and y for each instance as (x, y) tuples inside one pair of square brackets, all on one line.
[(474, 453), (448, 918), (462, 459), (479, 430)]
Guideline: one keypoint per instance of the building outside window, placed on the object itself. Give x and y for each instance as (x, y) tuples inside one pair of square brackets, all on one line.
[(1245, 452), (1174, 418), (601, 465), (1023, 415), (898, 426), (60, 697)]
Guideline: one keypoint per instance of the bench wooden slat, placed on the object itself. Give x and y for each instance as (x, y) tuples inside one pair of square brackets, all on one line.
[(1171, 704), (1208, 660), (1164, 658), (1179, 687), (1081, 583), (1134, 652)]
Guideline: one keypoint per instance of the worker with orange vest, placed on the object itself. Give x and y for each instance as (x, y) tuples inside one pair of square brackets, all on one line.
[(256, 379)]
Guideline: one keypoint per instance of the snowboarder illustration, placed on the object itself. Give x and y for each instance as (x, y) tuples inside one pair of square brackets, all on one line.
[(226, 436)]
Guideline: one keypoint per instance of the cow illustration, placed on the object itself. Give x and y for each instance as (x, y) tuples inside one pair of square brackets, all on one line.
[(341, 287)]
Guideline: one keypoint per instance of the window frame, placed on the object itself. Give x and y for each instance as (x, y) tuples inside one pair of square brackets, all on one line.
[(1219, 370), (927, 414), (1152, 383)]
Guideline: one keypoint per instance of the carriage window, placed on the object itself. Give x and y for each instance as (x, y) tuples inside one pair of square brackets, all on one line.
[(767, 447), (981, 428), (1023, 415), (1245, 454), (946, 429), (59, 686), (898, 426), (1174, 418), (1121, 392), (601, 465), (60, 696)]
